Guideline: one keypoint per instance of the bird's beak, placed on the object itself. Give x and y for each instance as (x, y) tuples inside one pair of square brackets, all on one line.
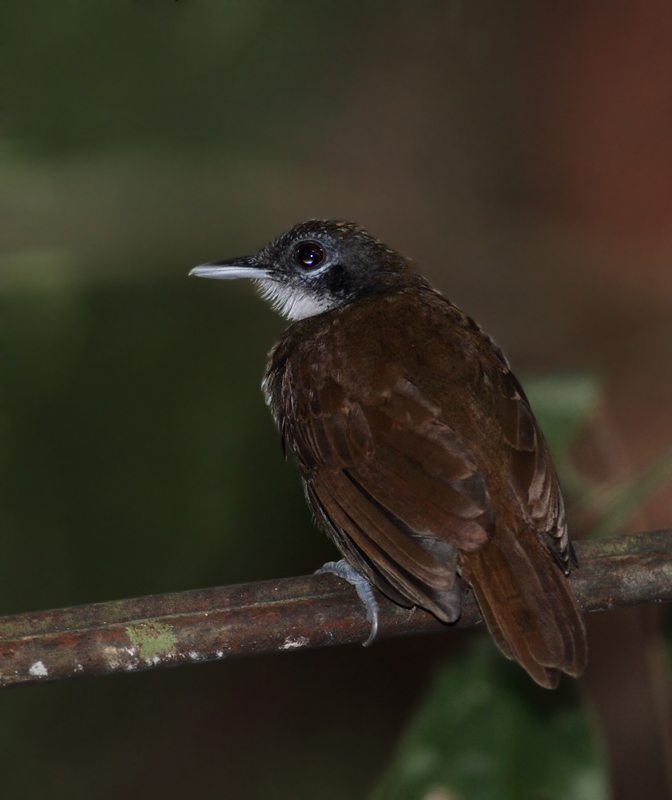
[(246, 267)]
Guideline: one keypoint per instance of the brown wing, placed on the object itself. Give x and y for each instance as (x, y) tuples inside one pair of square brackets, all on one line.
[(393, 485), (526, 602), (413, 493), (532, 471)]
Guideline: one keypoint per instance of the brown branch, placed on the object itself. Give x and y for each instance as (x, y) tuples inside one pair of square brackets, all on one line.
[(313, 611)]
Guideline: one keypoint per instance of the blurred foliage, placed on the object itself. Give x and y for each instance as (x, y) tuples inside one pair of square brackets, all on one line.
[(562, 405), (619, 503), (136, 455), (485, 732), (163, 74)]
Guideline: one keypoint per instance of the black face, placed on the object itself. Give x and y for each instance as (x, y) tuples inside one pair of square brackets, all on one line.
[(317, 266), (329, 264)]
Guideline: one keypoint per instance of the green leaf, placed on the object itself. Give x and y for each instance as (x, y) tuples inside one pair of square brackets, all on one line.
[(486, 732)]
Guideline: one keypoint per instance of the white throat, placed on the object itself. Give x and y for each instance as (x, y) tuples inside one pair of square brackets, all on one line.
[(293, 302)]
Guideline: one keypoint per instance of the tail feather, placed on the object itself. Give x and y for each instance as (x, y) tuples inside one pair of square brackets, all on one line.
[(528, 605)]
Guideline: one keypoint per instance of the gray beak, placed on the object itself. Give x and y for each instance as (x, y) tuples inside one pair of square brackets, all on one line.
[(245, 267)]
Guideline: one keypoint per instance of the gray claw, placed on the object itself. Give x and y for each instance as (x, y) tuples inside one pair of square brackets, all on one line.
[(346, 571)]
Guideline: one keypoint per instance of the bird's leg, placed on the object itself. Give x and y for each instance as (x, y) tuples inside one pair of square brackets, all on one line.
[(364, 590)]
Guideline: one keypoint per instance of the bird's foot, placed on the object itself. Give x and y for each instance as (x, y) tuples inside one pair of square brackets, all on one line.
[(364, 590)]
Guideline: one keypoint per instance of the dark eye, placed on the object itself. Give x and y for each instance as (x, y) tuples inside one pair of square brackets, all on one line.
[(309, 255)]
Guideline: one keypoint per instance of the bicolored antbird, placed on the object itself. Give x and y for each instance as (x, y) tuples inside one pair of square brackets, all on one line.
[(419, 453)]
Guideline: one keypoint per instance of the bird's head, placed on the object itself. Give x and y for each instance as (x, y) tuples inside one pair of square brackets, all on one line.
[(316, 266)]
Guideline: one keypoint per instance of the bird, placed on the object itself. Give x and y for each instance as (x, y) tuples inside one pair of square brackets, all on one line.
[(420, 456)]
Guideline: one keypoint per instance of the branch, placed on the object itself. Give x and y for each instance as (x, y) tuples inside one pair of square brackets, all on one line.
[(271, 616)]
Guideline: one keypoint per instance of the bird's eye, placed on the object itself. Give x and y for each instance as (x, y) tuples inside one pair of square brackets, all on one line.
[(309, 255)]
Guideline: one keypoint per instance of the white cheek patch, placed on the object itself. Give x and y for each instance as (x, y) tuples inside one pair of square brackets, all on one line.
[(293, 302)]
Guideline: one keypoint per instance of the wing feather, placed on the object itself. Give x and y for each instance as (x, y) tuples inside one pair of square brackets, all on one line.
[(396, 488), (402, 563), (532, 470)]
